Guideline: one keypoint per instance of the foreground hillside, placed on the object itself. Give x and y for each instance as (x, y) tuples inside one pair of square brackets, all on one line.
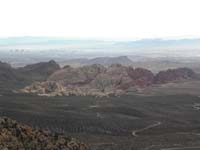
[(14, 136)]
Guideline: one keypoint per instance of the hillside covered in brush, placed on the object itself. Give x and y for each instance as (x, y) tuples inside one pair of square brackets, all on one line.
[(15, 136)]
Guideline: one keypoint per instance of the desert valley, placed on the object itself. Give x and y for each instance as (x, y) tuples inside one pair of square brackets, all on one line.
[(99, 75), (107, 106)]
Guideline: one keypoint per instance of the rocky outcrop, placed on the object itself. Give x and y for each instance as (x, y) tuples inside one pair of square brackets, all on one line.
[(174, 75), (141, 77), (77, 76), (115, 77), (50, 88), (97, 80), (15, 136)]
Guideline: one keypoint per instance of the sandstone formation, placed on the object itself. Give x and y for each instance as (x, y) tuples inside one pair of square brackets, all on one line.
[(97, 80)]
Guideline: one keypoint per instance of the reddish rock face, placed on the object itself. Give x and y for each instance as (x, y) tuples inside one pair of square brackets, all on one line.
[(141, 77), (77, 76), (124, 77), (115, 77), (92, 79), (173, 75)]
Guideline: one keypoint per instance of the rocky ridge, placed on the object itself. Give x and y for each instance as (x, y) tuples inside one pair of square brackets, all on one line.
[(14, 78), (97, 80), (105, 61)]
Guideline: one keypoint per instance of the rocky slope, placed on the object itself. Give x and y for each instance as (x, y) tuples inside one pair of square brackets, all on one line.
[(174, 74), (101, 81), (141, 77), (14, 136), (77, 76), (39, 71), (13, 78), (6, 72), (8, 77)]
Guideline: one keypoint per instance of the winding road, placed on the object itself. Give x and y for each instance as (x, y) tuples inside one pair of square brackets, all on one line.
[(135, 132)]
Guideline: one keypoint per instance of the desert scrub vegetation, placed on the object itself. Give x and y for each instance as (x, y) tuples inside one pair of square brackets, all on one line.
[(15, 136)]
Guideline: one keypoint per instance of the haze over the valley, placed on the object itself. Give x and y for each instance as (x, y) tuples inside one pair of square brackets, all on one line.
[(153, 54)]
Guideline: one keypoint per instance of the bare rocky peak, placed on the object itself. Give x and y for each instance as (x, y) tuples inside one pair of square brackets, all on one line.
[(42, 67), (174, 74), (81, 75), (116, 76), (141, 77)]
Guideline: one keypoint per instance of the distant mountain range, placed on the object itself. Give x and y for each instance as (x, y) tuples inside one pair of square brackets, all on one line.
[(99, 76), (98, 80), (106, 61), (20, 51)]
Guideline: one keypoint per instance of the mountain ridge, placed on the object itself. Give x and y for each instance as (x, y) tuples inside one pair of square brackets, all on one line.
[(11, 78), (106, 61), (49, 79), (98, 80)]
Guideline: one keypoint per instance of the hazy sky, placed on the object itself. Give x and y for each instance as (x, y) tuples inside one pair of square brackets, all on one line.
[(104, 19)]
